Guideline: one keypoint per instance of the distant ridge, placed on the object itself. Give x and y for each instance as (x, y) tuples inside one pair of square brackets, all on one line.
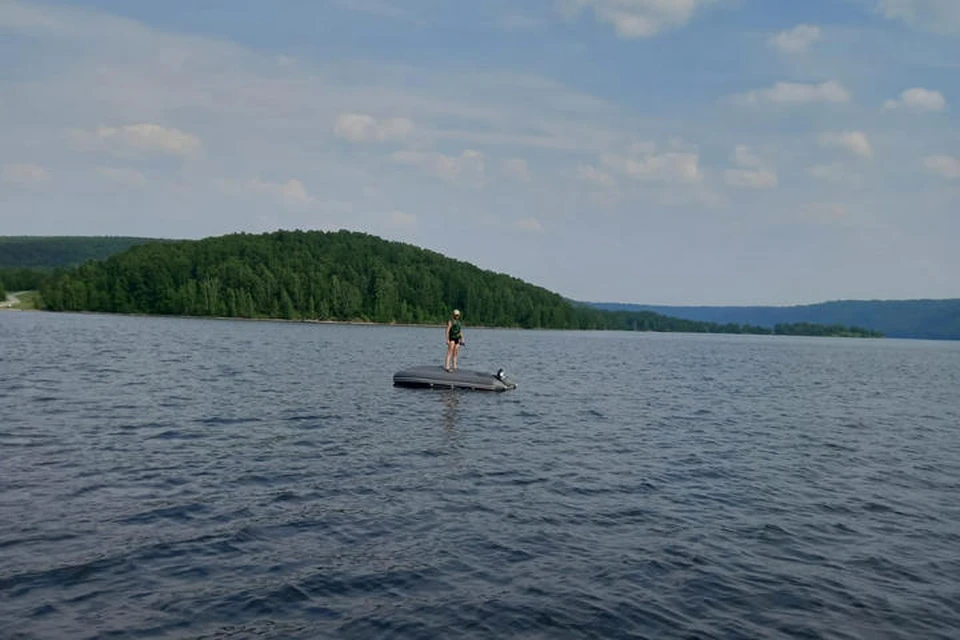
[(926, 318), (50, 252)]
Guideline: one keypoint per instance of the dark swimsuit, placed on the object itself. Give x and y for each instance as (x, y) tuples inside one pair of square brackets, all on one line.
[(454, 334)]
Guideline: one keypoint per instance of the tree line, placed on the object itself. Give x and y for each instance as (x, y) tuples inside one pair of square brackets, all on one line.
[(343, 275), (832, 330)]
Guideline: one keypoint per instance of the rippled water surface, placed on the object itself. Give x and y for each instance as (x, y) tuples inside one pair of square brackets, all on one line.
[(179, 478)]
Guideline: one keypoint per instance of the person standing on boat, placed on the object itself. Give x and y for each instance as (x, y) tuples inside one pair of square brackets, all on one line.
[(454, 338)]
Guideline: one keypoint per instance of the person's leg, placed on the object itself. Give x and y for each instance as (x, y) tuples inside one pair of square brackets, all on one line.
[(446, 361), (456, 352)]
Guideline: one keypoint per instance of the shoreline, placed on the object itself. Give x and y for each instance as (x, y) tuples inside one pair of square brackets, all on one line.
[(371, 323)]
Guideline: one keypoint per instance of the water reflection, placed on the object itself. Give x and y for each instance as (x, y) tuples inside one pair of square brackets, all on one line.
[(451, 410)]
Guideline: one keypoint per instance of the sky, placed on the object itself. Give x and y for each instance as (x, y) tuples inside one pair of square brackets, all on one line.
[(684, 152)]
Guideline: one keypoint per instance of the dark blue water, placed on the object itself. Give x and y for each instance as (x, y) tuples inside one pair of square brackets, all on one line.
[(176, 478)]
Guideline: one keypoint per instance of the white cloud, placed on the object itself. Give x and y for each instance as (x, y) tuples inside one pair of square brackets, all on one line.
[(745, 157), (125, 177), (291, 192), (665, 167), (402, 219), (137, 138), (830, 91), (750, 178), (936, 15), (856, 142), (796, 40), (641, 18), (835, 173), (528, 224), (918, 99), (517, 168), (467, 168), (360, 127), (944, 165), (752, 172), (594, 176), (23, 175)]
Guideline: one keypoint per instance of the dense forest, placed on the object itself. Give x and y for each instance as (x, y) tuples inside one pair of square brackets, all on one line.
[(333, 276), (928, 319), (24, 279)]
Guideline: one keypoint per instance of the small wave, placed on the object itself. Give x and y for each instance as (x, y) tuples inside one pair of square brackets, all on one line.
[(218, 420), (38, 539), (176, 434), (319, 417), (18, 585), (180, 512), (44, 611)]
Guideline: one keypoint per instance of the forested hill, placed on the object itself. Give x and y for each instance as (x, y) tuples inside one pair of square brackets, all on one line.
[(929, 319), (310, 275), (336, 276)]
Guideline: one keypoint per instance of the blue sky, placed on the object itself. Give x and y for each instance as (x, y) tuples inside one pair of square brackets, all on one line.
[(649, 151)]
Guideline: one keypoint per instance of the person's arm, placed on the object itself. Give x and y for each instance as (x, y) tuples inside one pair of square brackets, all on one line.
[(446, 333)]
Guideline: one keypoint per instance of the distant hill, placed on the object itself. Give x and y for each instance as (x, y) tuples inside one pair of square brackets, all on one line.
[(928, 319), (43, 252), (338, 276)]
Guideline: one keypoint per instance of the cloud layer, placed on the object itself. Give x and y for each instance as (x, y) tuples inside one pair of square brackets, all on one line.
[(632, 133), (137, 138), (796, 93), (855, 142), (360, 127)]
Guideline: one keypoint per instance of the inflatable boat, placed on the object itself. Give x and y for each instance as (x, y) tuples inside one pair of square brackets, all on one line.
[(436, 377)]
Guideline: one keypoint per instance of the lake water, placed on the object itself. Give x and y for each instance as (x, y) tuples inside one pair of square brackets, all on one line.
[(186, 478)]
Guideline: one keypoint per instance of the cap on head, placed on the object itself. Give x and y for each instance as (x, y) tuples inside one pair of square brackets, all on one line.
[(456, 312)]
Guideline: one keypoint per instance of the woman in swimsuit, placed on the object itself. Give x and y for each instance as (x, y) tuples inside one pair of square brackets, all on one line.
[(454, 338)]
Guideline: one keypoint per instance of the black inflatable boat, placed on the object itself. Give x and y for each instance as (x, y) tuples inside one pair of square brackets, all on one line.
[(436, 377)]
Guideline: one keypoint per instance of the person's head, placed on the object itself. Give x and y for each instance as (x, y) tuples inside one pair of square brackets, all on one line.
[(456, 313)]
